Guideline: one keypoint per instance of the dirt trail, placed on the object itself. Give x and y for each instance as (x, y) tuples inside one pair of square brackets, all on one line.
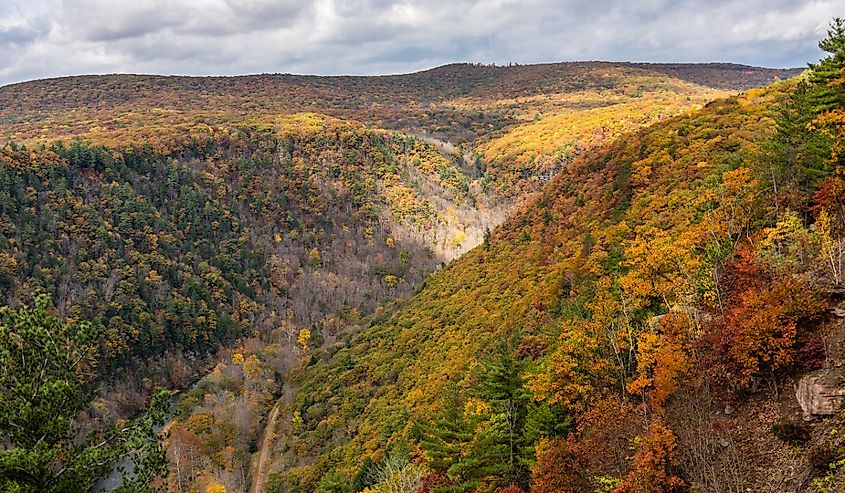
[(260, 466)]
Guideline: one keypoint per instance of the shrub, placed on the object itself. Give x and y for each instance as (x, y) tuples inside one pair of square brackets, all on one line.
[(790, 431)]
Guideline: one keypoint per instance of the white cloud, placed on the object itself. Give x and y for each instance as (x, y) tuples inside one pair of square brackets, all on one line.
[(43, 38)]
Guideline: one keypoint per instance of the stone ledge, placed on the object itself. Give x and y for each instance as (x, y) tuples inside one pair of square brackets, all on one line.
[(820, 393)]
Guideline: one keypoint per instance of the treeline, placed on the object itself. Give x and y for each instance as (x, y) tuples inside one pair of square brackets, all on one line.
[(654, 287), (223, 235), (489, 111)]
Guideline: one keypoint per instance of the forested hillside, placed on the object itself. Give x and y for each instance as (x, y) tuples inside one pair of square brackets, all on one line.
[(270, 226), (461, 105), (233, 232), (639, 326), (174, 248)]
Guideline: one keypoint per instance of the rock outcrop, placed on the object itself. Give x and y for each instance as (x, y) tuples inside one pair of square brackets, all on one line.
[(820, 393)]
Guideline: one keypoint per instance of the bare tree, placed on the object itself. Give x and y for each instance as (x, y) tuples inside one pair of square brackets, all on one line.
[(395, 474)]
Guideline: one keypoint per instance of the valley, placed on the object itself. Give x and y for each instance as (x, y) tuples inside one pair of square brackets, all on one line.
[(579, 276)]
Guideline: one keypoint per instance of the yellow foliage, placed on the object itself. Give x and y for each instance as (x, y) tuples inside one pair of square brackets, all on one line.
[(200, 422), (8, 263), (476, 407), (314, 258), (215, 487), (458, 239), (304, 337)]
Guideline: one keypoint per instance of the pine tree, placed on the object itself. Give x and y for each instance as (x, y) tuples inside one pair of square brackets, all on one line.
[(445, 439), (796, 153), (46, 367), (502, 387), (825, 74), (799, 154)]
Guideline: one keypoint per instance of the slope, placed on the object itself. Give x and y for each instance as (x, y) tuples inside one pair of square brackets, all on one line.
[(704, 216), (223, 231), (458, 103), (188, 216)]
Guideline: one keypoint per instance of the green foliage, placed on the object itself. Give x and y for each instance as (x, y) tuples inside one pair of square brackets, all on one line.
[(46, 368), (824, 74), (645, 224), (501, 387), (181, 250), (334, 482), (799, 154), (488, 437)]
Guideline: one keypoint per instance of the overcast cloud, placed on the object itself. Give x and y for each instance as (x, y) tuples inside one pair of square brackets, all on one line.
[(46, 38)]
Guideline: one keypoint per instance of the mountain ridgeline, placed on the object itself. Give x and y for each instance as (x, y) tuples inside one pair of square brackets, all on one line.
[(546, 278), (637, 327)]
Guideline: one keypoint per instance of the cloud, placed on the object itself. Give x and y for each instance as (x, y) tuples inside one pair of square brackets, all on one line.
[(45, 38)]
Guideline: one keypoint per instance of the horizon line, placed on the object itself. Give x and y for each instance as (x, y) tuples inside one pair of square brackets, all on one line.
[(395, 74)]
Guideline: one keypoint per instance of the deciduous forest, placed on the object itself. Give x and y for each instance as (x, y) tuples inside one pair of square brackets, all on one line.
[(572, 277)]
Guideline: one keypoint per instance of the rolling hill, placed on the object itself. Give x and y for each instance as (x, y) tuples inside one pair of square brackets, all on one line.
[(637, 326), (263, 222)]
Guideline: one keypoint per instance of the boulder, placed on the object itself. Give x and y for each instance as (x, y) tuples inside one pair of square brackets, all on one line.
[(820, 393)]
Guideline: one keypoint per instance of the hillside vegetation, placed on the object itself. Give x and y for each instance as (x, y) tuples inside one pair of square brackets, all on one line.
[(592, 342), (259, 224), (458, 104)]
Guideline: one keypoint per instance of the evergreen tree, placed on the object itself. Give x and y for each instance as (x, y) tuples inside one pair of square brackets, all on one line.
[(824, 75), (796, 153), (466, 443), (799, 154), (501, 386), (446, 438), (489, 438), (46, 368)]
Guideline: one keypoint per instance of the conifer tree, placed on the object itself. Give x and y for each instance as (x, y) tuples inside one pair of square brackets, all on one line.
[(825, 74), (445, 439), (46, 368), (501, 386)]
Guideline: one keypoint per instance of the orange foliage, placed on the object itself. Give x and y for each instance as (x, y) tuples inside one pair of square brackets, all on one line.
[(653, 464), (761, 331), (663, 359), (560, 467)]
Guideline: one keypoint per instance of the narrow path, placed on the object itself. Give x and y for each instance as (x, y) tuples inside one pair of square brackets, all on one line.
[(260, 466)]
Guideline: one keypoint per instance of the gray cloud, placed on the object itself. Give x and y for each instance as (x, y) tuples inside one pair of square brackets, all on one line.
[(44, 38)]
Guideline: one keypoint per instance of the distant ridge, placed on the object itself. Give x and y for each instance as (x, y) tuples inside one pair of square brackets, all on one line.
[(699, 73), (27, 108)]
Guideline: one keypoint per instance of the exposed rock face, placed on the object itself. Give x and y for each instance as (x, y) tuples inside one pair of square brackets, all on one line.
[(821, 392)]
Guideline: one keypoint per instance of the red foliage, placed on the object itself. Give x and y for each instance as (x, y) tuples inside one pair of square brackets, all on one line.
[(561, 467), (766, 323), (431, 481), (812, 353), (831, 195), (513, 488), (531, 347)]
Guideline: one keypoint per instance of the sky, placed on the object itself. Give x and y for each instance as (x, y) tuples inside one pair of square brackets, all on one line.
[(49, 38)]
